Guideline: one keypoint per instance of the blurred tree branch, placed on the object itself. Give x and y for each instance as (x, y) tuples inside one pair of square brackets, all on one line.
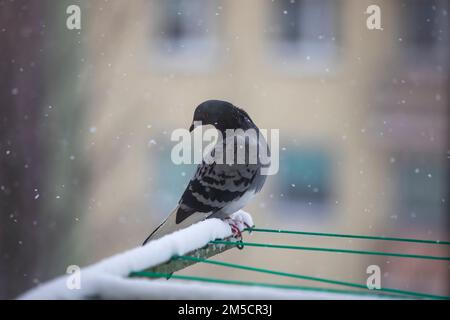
[(22, 153), (41, 108)]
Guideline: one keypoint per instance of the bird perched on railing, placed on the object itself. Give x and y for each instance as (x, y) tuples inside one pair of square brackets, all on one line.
[(224, 183)]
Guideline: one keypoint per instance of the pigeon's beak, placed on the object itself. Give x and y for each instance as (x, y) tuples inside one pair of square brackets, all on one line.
[(194, 125)]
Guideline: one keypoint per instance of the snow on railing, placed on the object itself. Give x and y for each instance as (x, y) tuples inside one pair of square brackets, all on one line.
[(109, 278), (95, 279)]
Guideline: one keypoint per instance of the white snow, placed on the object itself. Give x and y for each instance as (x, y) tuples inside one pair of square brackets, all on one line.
[(242, 219), (108, 279), (93, 278), (111, 287)]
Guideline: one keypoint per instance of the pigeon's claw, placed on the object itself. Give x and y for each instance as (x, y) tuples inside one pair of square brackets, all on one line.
[(235, 228), (247, 226)]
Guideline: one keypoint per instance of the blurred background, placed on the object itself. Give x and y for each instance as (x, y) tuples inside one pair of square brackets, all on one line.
[(86, 117)]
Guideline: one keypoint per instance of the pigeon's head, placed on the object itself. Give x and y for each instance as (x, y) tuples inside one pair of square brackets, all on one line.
[(221, 114)]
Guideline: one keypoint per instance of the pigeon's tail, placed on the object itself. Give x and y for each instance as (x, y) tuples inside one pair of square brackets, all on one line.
[(174, 223), (179, 218), (153, 234), (167, 226)]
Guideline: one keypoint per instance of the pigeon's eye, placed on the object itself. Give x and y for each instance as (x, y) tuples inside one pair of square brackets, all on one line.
[(205, 115)]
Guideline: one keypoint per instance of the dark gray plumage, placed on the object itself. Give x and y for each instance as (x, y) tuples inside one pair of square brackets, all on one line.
[(217, 190)]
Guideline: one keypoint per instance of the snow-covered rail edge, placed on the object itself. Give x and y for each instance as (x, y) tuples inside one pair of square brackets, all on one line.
[(116, 269), (108, 279)]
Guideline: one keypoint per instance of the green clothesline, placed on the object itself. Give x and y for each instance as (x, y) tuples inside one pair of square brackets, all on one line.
[(282, 246), (384, 292), (351, 236), (310, 278), (154, 275), (147, 274)]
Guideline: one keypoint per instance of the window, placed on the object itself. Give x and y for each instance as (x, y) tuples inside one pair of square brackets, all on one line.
[(424, 33), (306, 30), (186, 32), (420, 190), (304, 181)]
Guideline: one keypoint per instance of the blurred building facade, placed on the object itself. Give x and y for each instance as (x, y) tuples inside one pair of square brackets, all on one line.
[(362, 116)]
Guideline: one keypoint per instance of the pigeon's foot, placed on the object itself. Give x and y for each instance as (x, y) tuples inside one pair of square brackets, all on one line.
[(243, 219), (238, 222), (235, 228)]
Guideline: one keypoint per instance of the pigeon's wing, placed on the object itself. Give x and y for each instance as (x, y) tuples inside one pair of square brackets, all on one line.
[(217, 189), (214, 187)]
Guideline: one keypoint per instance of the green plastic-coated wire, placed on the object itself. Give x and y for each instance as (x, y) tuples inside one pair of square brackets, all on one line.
[(148, 274), (351, 236), (304, 277), (282, 246)]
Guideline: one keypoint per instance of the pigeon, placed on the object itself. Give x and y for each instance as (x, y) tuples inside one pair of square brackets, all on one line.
[(219, 187)]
